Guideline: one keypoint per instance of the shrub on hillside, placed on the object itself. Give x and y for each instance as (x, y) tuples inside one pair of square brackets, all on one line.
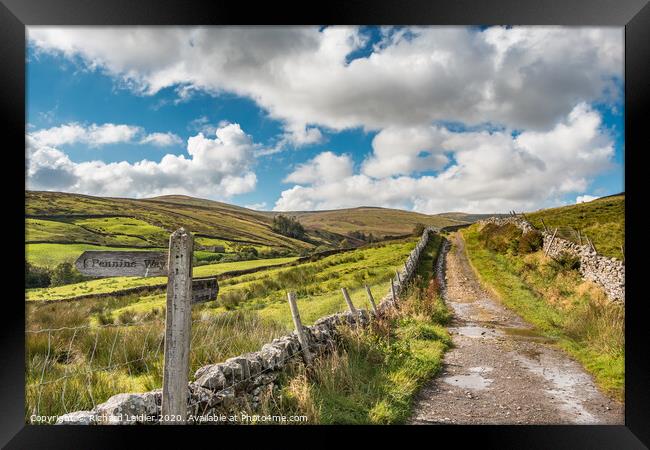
[(501, 238), (530, 242), (566, 261), (418, 229), (36, 277), (65, 273)]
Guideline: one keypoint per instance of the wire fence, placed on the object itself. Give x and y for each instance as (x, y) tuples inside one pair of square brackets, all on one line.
[(75, 367)]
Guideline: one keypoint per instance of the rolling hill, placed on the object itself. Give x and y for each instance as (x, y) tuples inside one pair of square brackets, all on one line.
[(601, 220), (59, 226), (378, 221)]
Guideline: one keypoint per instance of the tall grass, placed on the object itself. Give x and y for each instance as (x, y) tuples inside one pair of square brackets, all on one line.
[(79, 366)]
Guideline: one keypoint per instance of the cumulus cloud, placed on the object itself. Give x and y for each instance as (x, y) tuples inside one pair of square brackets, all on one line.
[(218, 167), (402, 151), (521, 77), (585, 198), (162, 139), (491, 171), (325, 167), (538, 81), (97, 135)]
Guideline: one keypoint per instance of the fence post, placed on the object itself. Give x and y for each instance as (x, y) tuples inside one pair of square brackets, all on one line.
[(392, 289), (548, 249), (351, 307), (399, 279), (371, 299), (291, 296), (178, 328), (544, 225)]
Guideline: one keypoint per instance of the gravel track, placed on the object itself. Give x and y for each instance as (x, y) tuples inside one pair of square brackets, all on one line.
[(499, 370)]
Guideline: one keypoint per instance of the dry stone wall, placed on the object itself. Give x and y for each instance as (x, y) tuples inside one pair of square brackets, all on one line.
[(241, 381), (608, 273)]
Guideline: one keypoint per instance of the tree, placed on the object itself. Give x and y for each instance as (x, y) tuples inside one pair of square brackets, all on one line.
[(418, 229), (36, 277), (288, 226), (65, 273)]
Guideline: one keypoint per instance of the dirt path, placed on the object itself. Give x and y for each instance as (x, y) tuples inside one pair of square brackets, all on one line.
[(500, 371)]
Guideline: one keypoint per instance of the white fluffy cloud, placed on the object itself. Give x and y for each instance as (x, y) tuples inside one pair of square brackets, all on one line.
[(402, 151), (326, 167), (162, 139), (216, 168), (521, 77), (536, 80), (97, 135), (585, 198), (491, 171)]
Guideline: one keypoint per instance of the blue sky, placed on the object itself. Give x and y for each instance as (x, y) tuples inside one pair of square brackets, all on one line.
[(331, 117)]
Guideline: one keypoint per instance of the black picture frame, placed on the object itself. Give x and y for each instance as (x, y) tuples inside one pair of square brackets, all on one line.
[(634, 15)]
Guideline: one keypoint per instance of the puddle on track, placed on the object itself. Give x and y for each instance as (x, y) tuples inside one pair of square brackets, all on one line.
[(469, 381), (527, 333), (476, 331)]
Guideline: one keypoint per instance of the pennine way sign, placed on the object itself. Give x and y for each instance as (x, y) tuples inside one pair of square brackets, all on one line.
[(182, 292), (99, 264)]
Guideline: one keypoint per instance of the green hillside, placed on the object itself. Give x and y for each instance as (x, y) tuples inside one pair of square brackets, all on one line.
[(59, 226), (601, 220), (378, 221)]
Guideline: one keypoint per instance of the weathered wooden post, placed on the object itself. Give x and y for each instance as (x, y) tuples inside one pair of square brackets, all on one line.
[(178, 327), (304, 345), (399, 279), (182, 292), (371, 299), (392, 289), (544, 225), (346, 296), (548, 249)]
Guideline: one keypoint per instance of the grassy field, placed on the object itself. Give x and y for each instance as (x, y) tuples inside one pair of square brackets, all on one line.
[(375, 373), (49, 255), (560, 305), (90, 349), (602, 220), (107, 285)]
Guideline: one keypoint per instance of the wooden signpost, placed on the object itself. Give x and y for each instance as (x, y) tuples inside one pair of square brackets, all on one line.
[(100, 264), (182, 293)]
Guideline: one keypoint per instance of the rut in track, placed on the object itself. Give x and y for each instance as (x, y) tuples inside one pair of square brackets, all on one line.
[(500, 371)]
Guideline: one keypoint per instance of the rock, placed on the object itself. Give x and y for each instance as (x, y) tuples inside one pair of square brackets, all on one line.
[(77, 418), (128, 409), (211, 377)]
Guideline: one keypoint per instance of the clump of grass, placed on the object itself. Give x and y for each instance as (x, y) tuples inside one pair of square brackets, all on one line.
[(566, 261)]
